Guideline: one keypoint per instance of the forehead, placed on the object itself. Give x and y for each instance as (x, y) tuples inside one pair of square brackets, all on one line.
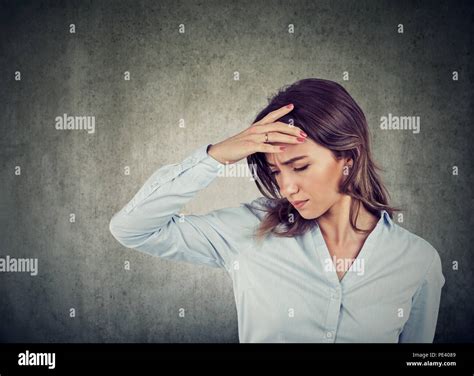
[(309, 148), (312, 150)]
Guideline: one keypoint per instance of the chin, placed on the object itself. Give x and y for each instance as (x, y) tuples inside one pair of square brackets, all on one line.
[(309, 214)]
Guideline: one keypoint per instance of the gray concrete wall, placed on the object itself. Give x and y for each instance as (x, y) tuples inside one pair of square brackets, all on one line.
[(190, 76)]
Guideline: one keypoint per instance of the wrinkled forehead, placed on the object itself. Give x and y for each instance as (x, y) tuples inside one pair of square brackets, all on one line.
[(275, 159), (308, 149), (270, 158)]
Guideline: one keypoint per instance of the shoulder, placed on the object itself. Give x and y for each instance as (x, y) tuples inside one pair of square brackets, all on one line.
[(414, 243), (417, 252)]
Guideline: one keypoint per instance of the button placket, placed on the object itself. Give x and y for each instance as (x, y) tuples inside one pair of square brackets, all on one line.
[(332, 318)]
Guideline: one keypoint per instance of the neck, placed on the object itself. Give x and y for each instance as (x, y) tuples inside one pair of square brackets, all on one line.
[(335, 223)]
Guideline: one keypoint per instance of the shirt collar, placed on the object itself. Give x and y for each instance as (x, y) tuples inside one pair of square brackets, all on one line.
[(385, 217)]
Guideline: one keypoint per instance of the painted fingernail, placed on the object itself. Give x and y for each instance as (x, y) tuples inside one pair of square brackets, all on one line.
[(303, 134), (300, 139), (289, 105)]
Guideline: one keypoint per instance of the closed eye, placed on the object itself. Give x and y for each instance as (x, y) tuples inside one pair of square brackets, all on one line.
[(301, 168), (295, 169)]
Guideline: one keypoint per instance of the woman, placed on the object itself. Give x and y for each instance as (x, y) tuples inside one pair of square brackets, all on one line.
[(318, 258)]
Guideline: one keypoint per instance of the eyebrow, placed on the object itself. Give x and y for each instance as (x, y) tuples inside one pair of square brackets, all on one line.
[(289, 160)]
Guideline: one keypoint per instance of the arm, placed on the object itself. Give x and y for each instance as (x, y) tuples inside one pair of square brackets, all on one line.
[(150, 221), (421, 324)]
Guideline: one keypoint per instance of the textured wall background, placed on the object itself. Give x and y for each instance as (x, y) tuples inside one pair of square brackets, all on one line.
[(191, 76)]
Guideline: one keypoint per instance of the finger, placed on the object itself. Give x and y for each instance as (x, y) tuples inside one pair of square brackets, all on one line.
[(268, 148), (279, 127), (274, 137), (276, 114)]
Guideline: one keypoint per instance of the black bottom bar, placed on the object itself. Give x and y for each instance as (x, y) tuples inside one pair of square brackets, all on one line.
[(38, 359)]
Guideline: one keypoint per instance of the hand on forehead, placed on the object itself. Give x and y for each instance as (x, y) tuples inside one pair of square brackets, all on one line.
[(292, 150)]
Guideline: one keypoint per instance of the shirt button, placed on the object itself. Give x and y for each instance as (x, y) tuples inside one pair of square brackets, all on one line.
[(329, 334)]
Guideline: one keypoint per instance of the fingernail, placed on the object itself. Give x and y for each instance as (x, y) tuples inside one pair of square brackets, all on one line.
[(282, 147), (289, 105), (303, 134), (300, 139)]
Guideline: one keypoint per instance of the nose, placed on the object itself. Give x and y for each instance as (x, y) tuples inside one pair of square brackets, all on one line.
[(288, 186)]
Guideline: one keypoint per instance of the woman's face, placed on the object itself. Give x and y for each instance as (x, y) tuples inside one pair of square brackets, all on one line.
[(314, 178)]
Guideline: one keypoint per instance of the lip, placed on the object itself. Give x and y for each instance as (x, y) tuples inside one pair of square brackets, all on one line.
[(299, 204)]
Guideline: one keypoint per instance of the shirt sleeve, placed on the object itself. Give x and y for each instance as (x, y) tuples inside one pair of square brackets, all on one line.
[(421, 324), (151, 222)]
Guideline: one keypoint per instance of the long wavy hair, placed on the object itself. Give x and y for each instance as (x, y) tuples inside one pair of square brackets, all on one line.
[(327, 113)]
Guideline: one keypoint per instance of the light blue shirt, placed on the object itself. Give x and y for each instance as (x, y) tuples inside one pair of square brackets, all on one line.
[(284, 288)]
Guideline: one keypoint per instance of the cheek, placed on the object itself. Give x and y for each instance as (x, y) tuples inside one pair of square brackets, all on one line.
[(324, 181)]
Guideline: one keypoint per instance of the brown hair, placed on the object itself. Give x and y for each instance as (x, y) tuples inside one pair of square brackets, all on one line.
[(326, 112)]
